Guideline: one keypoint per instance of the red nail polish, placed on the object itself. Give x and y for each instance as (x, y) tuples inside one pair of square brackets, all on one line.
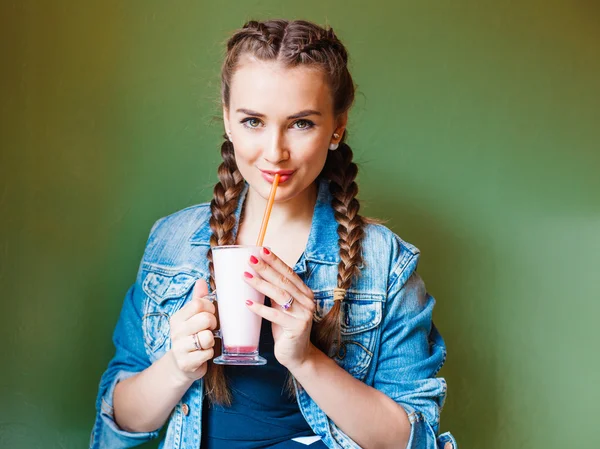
[(248, 275), (266, 251), (254, 260), (248, 302)]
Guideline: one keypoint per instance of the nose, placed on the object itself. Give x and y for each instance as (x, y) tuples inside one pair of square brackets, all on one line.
[(275, 149)]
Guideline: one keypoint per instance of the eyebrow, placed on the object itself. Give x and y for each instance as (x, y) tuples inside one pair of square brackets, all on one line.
[(300, 114)]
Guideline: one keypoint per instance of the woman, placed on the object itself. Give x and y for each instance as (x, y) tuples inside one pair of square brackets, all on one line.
[(347, 331)]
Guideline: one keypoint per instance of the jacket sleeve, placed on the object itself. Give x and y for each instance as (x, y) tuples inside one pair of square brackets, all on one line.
[(411, 353), (130, 358)]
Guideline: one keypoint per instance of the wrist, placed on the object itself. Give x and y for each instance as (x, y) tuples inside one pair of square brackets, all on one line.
[(305, 365), (178, 378)]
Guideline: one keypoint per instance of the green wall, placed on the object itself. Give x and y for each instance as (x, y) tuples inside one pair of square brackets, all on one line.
[(477, 130)]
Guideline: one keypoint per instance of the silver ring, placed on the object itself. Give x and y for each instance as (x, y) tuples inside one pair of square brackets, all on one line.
[(197, 342), (288, 304)]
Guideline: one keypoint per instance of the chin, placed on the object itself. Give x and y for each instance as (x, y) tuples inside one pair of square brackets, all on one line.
[(283, 193)]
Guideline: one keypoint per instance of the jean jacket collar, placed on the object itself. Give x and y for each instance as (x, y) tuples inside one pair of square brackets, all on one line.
[(322, 243)]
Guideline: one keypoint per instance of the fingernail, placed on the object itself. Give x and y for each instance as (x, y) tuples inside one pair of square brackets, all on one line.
[(248, 275), (266, 251), (253, 260), (248, 302)]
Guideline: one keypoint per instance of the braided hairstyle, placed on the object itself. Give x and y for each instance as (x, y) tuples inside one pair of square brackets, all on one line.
[(293, 43)]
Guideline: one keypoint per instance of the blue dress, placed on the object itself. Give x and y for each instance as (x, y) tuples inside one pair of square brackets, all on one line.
[(262, 413)]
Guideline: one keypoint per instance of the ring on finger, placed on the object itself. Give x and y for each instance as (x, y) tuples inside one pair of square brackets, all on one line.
[(288, 304), (197, 343)]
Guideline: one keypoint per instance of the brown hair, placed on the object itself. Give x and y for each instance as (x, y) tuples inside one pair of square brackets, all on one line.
[(292, 43)]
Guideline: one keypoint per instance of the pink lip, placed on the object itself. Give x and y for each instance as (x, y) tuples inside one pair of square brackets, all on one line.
[(284, 175)]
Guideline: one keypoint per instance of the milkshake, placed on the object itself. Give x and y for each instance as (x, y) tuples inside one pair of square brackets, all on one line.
[(239, 327)]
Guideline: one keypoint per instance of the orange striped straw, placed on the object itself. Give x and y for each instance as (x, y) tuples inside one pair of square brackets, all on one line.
[(265, 221)]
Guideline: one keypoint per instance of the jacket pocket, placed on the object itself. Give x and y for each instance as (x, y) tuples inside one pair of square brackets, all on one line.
[(165, 294), (360, 316)]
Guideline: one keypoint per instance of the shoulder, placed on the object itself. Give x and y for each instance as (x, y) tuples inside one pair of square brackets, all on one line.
[(184, 220), (386, 252), (179, 229)]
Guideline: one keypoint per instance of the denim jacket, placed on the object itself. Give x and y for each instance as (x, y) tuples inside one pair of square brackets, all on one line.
[(388, 339)]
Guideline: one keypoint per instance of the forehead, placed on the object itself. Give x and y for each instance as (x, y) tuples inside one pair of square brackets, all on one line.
[(271, 88)]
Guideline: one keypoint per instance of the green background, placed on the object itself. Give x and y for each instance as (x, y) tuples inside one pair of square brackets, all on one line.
[(476, 128)]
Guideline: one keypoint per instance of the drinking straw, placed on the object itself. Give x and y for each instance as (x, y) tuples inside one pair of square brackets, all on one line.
[(265, 221)]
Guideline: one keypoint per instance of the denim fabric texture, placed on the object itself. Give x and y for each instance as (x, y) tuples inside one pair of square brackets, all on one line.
[(389, 341)]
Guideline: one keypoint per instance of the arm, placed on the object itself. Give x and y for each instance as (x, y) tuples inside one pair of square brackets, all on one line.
[(130, 359), (134, 397), (403, 408), (143, 403), (411, 354), (363, 413)]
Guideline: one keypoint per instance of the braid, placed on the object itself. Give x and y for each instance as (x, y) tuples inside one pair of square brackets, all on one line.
[(260, 36), (224, 203), (321, 46), (341, 172), (305, 44), (222, 223)]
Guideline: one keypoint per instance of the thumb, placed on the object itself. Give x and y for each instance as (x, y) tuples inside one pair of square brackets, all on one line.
[(200, 289)]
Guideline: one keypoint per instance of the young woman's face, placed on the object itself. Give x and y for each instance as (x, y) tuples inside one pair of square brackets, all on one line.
[(280, 121)]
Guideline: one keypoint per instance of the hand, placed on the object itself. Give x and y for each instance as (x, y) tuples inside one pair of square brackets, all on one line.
[(192, 325), (291, 328)]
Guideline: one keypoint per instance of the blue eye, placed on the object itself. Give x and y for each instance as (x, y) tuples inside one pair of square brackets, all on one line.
[(251, 122)]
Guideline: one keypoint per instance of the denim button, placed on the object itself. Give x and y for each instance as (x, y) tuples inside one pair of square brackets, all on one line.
[(186, 409)]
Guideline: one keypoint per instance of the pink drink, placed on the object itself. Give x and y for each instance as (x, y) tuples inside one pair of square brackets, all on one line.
[(240, 328)]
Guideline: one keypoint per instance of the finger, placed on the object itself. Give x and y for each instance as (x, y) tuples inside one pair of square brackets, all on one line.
[(193, 360), (200, 289), (281, 267), (192, 308), (277, 294), (199, 322), (197, 304), (207, 339), (284, 319), (188, 344), (278, 285)]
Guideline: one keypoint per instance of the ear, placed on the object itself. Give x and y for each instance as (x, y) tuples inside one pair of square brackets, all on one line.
[(226, 121), (341, 123)]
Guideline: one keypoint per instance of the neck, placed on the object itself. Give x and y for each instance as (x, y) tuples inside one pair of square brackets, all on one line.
[(289, 215)]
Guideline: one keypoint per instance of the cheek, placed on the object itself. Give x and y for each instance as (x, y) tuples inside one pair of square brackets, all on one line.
[(246, 154), (313, 159), (317, 147)]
